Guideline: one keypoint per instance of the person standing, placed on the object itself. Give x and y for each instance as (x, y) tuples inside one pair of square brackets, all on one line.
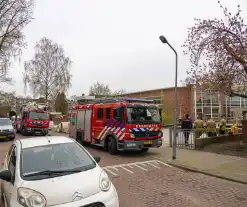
[(198, 125), (211, 127), (222, 128), (186, 126)]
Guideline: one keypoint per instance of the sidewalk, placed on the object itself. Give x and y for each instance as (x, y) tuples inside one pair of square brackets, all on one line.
[(222, 166)]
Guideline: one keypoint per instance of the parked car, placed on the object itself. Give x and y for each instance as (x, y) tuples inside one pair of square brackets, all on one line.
[(54, 171), (7, 130)]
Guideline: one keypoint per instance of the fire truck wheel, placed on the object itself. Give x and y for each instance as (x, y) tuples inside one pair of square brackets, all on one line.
[(144, 149), (112, 145), (23, 132)]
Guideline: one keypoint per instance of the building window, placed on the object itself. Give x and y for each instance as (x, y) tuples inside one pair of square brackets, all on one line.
[(100, 113), (108, 113)]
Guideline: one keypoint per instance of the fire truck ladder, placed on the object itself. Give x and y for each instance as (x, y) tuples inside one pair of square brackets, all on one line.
[(115, 100)]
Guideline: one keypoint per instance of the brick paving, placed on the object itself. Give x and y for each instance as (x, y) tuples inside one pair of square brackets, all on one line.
[(169, 186)]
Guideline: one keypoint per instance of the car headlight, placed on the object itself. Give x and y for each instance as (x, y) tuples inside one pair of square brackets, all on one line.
[(104, 181), (132, 135), (160, 134), (30, 198)]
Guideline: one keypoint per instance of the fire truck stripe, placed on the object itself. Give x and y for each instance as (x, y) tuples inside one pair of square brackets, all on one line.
[(105, 133), (142, 129), (151, 129), (101, 132), (122, 136), (107, 123)]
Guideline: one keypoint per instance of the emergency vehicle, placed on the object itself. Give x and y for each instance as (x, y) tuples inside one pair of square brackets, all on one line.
[(34, 119), (117, 124)]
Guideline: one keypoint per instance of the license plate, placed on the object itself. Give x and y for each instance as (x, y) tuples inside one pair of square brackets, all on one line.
[(147, 143), (2, 137), (38, 133)]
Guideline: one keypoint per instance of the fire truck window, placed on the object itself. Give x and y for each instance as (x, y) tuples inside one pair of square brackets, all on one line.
[(119, 114), (108, 113), (115, 114), (100, 113)]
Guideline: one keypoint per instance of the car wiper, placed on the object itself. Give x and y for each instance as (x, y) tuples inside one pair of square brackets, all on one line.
[(51, 172)]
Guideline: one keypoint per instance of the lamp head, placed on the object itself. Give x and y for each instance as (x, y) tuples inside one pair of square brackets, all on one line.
[(163, 39)]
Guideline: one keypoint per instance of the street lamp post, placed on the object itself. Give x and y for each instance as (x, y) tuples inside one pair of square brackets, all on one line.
[(164, 40)]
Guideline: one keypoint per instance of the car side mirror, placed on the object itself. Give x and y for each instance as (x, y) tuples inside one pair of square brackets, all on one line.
[(97, 159), (5, 175)]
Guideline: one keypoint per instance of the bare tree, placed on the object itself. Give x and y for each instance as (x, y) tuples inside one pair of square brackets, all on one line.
[(119, 92), (99, 89), (218, 51), (14, 16), (48, 73)]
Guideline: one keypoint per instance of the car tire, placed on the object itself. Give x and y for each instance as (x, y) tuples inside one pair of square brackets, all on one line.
[(144, 149), (23, 132), (12, 138), (112, 146)]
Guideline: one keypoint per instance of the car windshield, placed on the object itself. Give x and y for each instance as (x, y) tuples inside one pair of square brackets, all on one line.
[(56, 157), (38, 115), (5, 122), (143, 115)]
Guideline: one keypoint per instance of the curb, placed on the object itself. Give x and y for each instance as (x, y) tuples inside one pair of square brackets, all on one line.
[(206, 173)]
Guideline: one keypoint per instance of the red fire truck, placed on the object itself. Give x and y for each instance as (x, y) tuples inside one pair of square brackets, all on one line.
[(117, 124), (34, 119)]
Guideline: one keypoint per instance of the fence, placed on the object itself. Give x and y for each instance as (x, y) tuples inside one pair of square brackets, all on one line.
[(184, 138), (197, 138)]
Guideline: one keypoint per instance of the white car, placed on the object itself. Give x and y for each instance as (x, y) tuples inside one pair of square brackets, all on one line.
[(54, 171)]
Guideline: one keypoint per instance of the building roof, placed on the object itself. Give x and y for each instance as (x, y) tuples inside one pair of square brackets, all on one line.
[(151, 90)]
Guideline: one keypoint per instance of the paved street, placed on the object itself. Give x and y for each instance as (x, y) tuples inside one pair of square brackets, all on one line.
[(142, 181)]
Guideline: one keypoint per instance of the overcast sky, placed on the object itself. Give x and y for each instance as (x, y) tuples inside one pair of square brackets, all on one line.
[(116, 42)]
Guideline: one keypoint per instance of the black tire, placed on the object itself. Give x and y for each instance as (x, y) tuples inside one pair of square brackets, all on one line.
[(144, 149), (23, 132), (112, 146), (12, 138)]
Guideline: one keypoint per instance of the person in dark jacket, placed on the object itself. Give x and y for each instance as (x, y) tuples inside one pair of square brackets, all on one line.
[(186, 126)]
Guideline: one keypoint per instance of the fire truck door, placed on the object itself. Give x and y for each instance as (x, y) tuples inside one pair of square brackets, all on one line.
[(80, 122), (87, 128), (73, 121)]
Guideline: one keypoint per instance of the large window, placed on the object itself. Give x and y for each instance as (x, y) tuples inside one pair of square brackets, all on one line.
[(100, 113), (67, 157), (38, 115)]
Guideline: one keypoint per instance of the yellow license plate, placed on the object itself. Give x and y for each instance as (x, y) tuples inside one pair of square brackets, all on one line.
[(147, 143), (37, 132), (2, 137)]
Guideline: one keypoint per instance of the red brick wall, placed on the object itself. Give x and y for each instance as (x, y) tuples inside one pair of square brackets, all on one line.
[(184, 98)]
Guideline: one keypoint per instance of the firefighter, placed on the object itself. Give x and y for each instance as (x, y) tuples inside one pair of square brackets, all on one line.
[(186, 126), (222, 127), (211, 127), (234, 129), (198, 125)]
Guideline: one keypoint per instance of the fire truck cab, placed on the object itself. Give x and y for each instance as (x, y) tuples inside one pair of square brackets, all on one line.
[(34, 119), (117, 124)]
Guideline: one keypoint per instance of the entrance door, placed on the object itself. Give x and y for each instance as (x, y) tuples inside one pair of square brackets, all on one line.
[(87, 132), (73, 121)]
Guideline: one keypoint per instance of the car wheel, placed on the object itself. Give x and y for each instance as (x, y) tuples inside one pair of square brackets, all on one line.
[(23, 132), (112, 146), (12, 138), (144, 149)]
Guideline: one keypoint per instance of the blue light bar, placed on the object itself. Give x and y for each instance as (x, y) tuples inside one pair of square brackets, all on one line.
[(137, 100)]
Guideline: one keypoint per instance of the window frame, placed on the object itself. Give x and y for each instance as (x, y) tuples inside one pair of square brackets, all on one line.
[(108, 112), (102, 113)]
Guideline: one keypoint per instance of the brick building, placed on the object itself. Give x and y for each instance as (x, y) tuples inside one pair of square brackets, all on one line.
[(194, 101), (165, 98)]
